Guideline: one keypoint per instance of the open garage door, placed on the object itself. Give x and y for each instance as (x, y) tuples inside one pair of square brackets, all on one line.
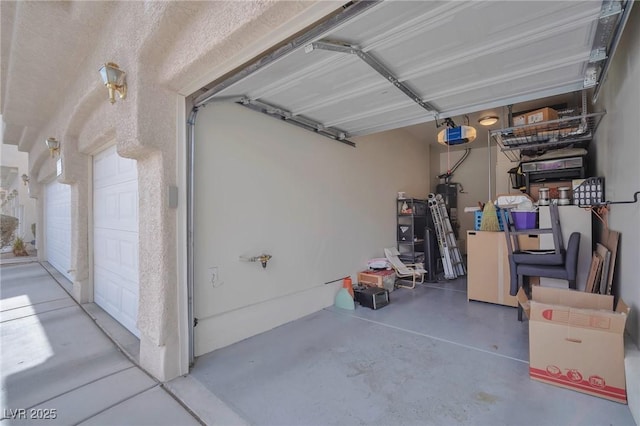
[(115, 236), (58, 227), (374, 67), (393, 64)]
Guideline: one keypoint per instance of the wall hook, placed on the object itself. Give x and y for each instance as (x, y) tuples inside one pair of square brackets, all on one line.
[(635, 200), (263, 259)]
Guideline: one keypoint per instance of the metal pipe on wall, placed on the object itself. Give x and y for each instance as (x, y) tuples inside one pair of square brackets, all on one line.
[(191, 142), (489, 153)]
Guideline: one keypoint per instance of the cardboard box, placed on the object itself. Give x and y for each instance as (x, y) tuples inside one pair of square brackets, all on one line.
[(488, 278), (534, 189), (576, 341), (533, 117), (383, 279), (537, 116)]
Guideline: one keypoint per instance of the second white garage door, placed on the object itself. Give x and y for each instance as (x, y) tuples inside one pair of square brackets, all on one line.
[(115, 236), (58, 227)]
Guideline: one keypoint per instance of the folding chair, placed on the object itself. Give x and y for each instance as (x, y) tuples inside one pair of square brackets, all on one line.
[(405, 270)]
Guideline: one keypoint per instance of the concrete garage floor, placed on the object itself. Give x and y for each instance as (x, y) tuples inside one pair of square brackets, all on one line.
[(430, 357)]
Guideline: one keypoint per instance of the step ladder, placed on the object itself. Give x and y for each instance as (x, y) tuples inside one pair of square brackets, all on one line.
[(450, 254)]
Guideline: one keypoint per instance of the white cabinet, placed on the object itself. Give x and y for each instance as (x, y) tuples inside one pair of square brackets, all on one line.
[(572, 219)]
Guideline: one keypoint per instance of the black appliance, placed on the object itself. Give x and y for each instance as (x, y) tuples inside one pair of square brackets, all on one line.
[(555, 169), (371, 297)]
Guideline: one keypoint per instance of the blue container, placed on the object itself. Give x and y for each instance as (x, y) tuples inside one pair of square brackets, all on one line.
[(478, 217)]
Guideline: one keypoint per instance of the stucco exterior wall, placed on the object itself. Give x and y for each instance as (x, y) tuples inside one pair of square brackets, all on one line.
[(167, 49)]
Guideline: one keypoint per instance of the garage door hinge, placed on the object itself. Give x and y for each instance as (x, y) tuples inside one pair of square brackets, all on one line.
[(195, 322)]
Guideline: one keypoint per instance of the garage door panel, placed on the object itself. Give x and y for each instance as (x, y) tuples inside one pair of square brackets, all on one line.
[(104, 167), (117, 251), (127, 168), (117, 207), (107, 294), (116, 237), (435, 48), (115, 288), (118, 296), (58, 227), (111, 169), (130, 306)]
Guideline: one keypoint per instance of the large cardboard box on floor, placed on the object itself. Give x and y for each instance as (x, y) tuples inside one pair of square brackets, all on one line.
[(576, 341)]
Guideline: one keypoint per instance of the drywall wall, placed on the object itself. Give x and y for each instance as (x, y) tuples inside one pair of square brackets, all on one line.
[(319, 207), (617, 153), (473, 176), (503, 180)]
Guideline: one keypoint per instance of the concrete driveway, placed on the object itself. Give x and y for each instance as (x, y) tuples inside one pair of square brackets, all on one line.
[(58, 365)]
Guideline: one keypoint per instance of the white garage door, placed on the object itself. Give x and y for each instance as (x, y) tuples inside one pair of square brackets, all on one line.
[(115, 236), (58, 227)]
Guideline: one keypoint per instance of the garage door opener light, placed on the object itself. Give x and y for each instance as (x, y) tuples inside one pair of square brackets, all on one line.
[(455, 135)]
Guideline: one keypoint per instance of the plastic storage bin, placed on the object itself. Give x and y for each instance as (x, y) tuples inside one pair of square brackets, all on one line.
[(524, 220)]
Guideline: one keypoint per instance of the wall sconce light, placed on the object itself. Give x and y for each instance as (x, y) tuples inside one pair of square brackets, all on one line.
[(113, 78), (488, 120), (54, 146), (25, 179)]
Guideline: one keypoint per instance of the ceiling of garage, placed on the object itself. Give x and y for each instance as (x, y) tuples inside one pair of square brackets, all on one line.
[(457, 57)]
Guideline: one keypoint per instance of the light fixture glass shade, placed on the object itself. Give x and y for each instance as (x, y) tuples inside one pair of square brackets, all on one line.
[(53, 145), (113, 78), (25, 179), (111, 73), (488, 120)]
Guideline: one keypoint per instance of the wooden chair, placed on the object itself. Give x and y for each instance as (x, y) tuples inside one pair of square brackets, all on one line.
[(405, 270), (557, 263)]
